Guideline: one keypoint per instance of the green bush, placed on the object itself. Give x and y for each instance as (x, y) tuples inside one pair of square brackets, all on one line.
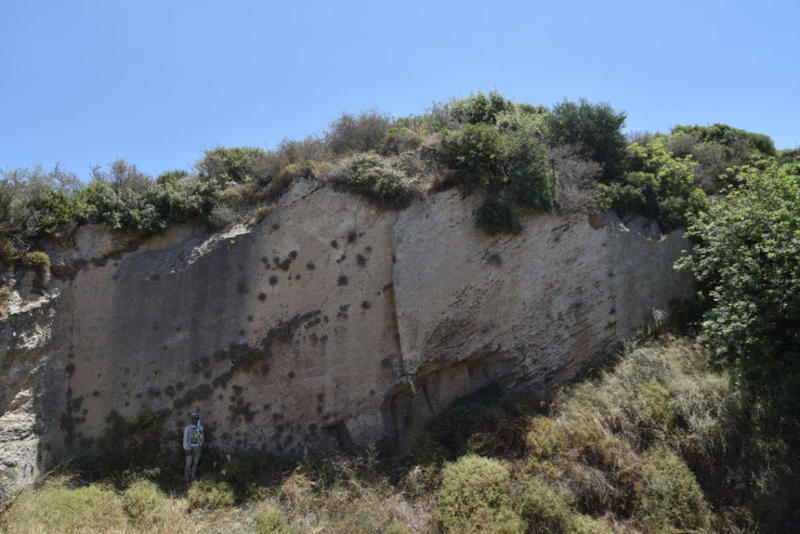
[(732, 138), (474, 497), (207, 494), (398, 140), (349, 133), (511, 165), (56, 210), (479, 108), (745, 258), (372, 176), (545, 438), (657, 186), (8, 252), (145, 503), (549, 512), (236, 164), (269, 520), (36, 260), (596, 131), (669, 499)]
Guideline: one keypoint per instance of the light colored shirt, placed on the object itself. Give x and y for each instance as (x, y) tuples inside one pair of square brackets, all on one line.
[(192, 436)]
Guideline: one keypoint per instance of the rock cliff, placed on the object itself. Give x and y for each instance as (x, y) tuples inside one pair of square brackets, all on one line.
[(318, 325)]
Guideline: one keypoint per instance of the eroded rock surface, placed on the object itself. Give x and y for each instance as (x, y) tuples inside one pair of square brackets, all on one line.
[(314, 326)]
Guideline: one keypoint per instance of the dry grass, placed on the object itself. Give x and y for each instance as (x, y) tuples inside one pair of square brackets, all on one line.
[(638, 449)]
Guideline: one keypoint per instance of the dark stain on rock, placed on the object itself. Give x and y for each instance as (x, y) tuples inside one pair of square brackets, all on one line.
[(282, 264)]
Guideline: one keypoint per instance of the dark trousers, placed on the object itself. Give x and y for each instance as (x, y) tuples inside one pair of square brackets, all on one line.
[(190, 471)]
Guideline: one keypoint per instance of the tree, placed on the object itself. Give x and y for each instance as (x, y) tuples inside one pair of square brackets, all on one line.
[(595, 129), (746, 259)]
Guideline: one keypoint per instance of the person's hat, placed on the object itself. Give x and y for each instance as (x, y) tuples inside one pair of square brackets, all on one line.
[(195, 415)]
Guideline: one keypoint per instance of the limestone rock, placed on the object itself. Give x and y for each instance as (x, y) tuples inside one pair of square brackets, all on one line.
[(317, 325)]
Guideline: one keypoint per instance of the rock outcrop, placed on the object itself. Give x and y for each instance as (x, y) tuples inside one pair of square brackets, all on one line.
[(317, 325)]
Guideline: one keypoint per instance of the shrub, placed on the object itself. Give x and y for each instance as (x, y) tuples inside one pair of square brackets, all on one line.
[(510, 165), (309, 149), (657, 186), (263, 211), (669, 499), (732, 138), (5, 296), (373, 177), (36, 260), (362, 133), (479, 108), (397, 528), (238, 164), (497, 216), (8, 252), (475, 153), (545, 439), (56, 210), (398, 140), (171, 177), (474, 495), (575, 178), (547, 511), (58, 508), (269, 520), (289, 174), (595, 129), (122, 176), (144, 503), (207, 494), (745, 259)]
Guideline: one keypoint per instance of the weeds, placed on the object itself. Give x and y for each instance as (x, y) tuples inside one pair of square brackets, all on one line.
[(656, 443)]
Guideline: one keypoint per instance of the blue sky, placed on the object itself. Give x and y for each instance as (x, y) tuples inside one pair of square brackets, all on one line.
[(156, 82)]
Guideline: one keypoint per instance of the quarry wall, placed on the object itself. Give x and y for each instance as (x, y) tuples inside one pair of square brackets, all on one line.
[(317, 326)]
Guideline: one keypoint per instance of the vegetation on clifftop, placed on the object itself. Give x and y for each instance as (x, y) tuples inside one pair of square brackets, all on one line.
[(519, 156)]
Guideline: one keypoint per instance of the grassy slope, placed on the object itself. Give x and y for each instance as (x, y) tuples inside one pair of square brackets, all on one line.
[(657, 443)]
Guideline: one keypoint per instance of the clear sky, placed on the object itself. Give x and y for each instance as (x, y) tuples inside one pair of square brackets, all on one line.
[(158, 81)]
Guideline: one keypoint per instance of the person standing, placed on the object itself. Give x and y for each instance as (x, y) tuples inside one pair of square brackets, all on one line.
[(192, 441)]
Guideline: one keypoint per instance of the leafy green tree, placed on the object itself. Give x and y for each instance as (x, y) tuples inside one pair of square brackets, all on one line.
[(510, 164), (734, 139), (595, 129), (236, 164), (479, 108), (746, 258), (657, 186)]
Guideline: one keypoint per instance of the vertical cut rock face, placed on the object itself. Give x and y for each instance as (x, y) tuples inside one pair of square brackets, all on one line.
[(314, 326)]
